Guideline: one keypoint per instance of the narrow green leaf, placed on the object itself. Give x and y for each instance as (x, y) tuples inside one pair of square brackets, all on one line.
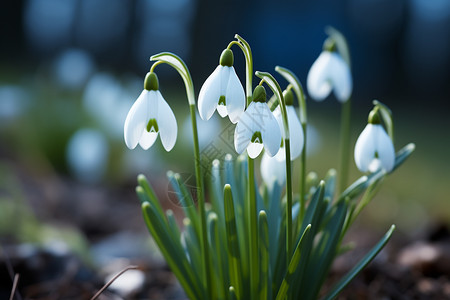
[(288, 278), (264, 255), (359, 266), (173, 254), (403, 154), (234, 258), (220, 282), (149, 193)]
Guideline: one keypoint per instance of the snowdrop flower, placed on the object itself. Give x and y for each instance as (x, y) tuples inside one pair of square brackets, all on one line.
[(273, 170), (374, 149), (257, 128), (295, 128), (330, 72), (222, 90), (148, 116)]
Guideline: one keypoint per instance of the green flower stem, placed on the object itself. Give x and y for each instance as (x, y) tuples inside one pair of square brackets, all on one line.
[(303, 178), (178, 64), (251, 193), (201, 206), (345, 144), (287, 147), (276, 89), (298, 89), (253, 231)]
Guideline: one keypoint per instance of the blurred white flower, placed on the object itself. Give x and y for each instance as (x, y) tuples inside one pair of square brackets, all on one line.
[(273, 170), (296, 139), (222, 91), (374, 149), (73, 68), (87, 155), (330, 72), (149, 116)]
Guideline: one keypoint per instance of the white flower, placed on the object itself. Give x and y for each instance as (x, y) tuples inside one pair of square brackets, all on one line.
[(222, 90), (295, 133), (328, 72), (374, 150), (273, 170), (257, 128), (148, 116)]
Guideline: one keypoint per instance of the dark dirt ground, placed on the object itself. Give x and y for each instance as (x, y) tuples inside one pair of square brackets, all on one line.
[(110, 220)]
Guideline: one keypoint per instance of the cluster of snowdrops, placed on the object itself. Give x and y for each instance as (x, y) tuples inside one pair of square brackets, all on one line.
[(262, 240)]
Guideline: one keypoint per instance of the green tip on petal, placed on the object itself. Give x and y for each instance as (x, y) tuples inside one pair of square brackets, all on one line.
[(152, 126), (222, 100), (329, 45), (288, 97), (226, 58), (256, 138), (259, 94), (151, 82), (374, 116)]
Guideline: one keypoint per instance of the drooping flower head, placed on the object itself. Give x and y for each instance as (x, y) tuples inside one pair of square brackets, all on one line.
[(330, 72), (149, 117), (257, 128), (222, 91), (374, 149), (295, 128)]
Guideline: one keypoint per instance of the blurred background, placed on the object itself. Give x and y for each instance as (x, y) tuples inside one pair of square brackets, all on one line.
[(70, 70)]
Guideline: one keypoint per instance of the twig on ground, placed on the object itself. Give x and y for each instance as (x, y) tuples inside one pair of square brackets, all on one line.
[(112, 280)]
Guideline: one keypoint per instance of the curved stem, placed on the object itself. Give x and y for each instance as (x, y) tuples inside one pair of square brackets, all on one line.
[(248, 68), (298, 89), (276, 89), (345, 144), (178, 64)]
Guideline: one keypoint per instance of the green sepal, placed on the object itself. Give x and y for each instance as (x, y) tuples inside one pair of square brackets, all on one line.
[(374, 116), (329, 45), (151, 82), (259, 94), (227, 58)]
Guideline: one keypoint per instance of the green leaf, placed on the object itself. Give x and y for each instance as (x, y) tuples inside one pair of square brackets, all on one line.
[(234, 258), (361, 265), (403, 154), (172, 251), (264, 281), (288, 278)]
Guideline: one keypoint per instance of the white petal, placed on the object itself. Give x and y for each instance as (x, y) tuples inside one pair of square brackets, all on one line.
[(270, 130), (254, 149), (318, 81), (244, 129), (167, 123), (295, 132), (222, 110), (365, 148), (147, 139), (273, 170), (341, 77), (209, 94), (136, 120), (234, 96), (385, 149)]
